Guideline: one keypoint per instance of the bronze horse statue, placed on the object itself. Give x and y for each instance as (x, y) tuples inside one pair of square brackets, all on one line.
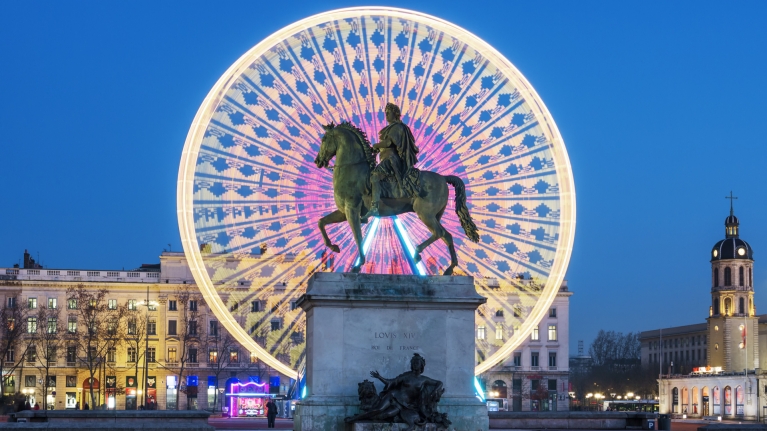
[(355, 159)]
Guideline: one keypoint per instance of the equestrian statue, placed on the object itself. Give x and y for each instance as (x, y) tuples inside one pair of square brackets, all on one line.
[(363, 188)]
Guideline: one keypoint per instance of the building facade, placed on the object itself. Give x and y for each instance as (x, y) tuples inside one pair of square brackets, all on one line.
[(211, 366), (536, 376), (715, 368)]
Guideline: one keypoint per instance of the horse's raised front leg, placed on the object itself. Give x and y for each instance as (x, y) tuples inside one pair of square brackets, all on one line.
[(353, 217), (336, 216)]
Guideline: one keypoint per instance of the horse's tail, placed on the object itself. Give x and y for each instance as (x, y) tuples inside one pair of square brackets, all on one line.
[(461, 209)]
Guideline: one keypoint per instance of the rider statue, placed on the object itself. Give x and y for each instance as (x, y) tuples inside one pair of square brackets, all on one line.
[(397, 158)]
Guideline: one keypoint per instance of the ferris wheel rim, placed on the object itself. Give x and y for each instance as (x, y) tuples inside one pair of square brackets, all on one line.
[(190, 153)]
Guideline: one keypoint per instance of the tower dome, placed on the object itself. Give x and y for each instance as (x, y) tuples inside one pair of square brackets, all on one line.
[(731, 247)]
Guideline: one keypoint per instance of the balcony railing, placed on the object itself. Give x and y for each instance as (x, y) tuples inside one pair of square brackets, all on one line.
[(77, 275)]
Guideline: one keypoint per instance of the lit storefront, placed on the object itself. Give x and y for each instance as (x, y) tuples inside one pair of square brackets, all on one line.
[(151, 393), (131, 386), (246, 399), (191, 392), (213, 397), (89, 384), (50, 400), (170, 393), (111, 391)]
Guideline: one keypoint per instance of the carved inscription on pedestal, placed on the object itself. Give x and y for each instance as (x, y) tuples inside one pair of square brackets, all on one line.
[(403, 341)]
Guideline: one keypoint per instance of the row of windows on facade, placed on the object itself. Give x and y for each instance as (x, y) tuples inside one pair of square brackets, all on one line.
[(255, 306), (131, 355), (534, 336), (534, 359), (728, 277), (683, 356), (111, 304), (516, 386), (517, 310), (695, 340), (728, 305), (151, 329)]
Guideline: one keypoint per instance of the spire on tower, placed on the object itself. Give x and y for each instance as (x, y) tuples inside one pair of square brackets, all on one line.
[(731, 197), (731, 223)]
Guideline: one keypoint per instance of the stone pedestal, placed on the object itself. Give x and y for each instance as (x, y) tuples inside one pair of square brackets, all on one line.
[(356, 323)]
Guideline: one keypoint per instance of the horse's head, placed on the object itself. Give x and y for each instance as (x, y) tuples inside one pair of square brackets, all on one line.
[(328, 147)]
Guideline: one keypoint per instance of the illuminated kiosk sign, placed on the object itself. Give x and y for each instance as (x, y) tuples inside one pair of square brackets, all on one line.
[(247, 399)]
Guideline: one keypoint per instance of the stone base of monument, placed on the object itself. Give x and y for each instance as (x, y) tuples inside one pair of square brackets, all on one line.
[(383, 426), (357, 323), (117, 420)]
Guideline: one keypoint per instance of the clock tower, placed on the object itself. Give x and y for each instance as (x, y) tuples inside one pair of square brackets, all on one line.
[(733, 327)]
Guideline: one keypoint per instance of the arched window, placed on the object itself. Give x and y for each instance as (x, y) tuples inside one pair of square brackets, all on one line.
[(727, 277), (694, 400), (750, 280), (675, 400), (499, 389), (739, 400), (727, 306), (716, 306), (716, 400), (741, 280), (716, 277), (499, 312), (742, 306)]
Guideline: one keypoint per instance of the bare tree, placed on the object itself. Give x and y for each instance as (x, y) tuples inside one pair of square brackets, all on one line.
[(13, 328), (48, 344), (220, 343), (190, 331), (99, 328), (615, 349), (135, 330)]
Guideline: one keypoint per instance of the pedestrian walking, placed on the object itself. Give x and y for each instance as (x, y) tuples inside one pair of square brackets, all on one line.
[(271, 413)]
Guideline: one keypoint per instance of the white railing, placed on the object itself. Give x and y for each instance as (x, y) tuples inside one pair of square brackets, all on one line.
[(79, 275)]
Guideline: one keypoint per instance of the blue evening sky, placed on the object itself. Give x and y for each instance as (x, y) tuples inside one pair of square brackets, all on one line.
[(661, 105)]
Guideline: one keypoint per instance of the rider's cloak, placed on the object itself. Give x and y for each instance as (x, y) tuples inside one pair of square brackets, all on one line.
[(403, 140)]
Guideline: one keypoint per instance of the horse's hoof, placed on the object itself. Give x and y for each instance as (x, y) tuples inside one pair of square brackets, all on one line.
[(448, 271), (334, 248), (356, 269), (364, 220), (417, 258)]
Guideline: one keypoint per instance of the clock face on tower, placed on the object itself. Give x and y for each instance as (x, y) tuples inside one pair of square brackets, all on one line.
[(716, 253), (741, 251)]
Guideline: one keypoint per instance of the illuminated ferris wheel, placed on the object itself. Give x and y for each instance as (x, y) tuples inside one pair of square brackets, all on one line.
[(250, 196)]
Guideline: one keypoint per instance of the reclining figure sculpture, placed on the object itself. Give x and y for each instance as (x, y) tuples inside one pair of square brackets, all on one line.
[(409, 398)]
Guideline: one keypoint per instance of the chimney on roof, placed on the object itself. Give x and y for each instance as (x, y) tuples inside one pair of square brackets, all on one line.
[(27, 258)]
